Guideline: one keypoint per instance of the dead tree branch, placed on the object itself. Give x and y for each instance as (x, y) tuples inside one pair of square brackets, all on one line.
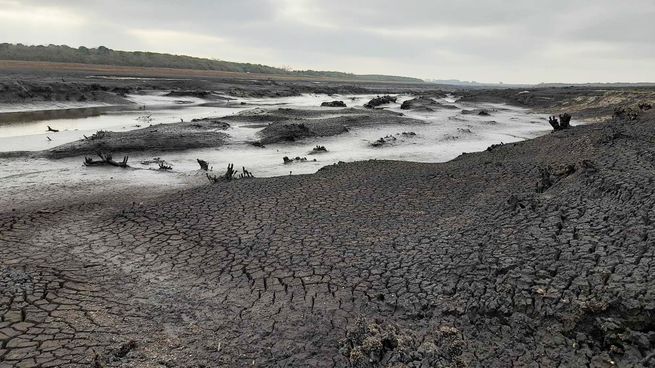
[(230, 174), (564, 122), (105, 159)]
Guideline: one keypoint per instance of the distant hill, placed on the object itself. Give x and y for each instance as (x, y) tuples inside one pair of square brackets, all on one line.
[(477, 85), (105, 56)]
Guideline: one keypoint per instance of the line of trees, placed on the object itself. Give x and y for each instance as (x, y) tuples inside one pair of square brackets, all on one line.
[(106, 56)]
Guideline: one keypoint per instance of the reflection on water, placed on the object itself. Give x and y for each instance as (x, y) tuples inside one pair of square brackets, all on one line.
[(26, 117), (28, 130)]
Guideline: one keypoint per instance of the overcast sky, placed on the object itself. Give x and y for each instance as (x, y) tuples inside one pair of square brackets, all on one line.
[(484, 40)]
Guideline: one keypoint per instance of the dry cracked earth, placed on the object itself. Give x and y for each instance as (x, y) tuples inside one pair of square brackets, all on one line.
[(533, 254)]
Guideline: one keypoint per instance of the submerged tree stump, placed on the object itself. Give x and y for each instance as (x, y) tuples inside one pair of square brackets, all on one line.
[(204, 165)]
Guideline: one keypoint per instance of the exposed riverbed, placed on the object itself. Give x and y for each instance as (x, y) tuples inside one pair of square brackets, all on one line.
[(437, 136)]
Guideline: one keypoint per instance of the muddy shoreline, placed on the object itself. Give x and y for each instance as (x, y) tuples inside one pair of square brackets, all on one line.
[(279, 125), (24, 86), (437, 257), (586, 102), (532, 252)]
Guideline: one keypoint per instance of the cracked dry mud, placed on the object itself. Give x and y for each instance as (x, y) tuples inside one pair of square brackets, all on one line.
[(372, 263)]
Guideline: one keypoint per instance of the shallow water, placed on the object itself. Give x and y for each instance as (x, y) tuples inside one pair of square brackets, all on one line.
[(444, 135), (28, 131), (441, 138)]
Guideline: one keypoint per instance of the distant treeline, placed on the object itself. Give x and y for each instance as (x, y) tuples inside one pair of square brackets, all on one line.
[(105, 56)]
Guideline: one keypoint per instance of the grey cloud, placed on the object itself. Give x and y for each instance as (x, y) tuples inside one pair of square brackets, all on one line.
[(510, 40)]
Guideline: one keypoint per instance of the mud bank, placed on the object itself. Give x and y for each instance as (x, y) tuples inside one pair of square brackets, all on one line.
[(161, 137), (288, 125), (18, 91), (20, 86), (279, 125), (585, 102), (531, 252), (426, 104)]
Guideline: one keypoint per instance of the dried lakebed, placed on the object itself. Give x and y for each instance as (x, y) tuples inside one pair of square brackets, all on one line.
[(536, 252), (224, 133)]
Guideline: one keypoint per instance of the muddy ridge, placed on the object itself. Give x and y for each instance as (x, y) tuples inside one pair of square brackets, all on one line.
[(285, 124), (592, 103), (423, 103), (200, 133), (19, 91), (21, 86)]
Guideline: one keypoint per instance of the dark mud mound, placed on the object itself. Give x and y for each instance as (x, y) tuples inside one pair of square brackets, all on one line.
[(35, 84), (26, 91), (283, 114), (162, 137), (197, 94), (377, 344), (479, 112), (204, 124), (379, 101), (292, 124), (584, 102), (392, 139), (207, 95), (536, 98), (276, 133), (333, 104), (423, 103), (272, 88)]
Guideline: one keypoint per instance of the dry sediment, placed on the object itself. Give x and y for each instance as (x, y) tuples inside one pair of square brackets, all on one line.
[(423, 103), (538, 252), (284, 124), (591, 103), (18, 91), (161, 137), (52, 84)]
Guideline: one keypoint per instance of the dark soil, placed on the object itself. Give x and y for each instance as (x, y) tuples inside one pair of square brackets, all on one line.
[(379, 101), (584, 102), (479, 112), (293, 124), (208, 95), (199, 133), (283, 114), (536, 253), (17, 91), (333, 104), (423, 103), (26, 85)]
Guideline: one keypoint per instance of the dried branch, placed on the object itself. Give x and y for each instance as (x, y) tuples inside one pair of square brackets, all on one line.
[(105, 159)]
